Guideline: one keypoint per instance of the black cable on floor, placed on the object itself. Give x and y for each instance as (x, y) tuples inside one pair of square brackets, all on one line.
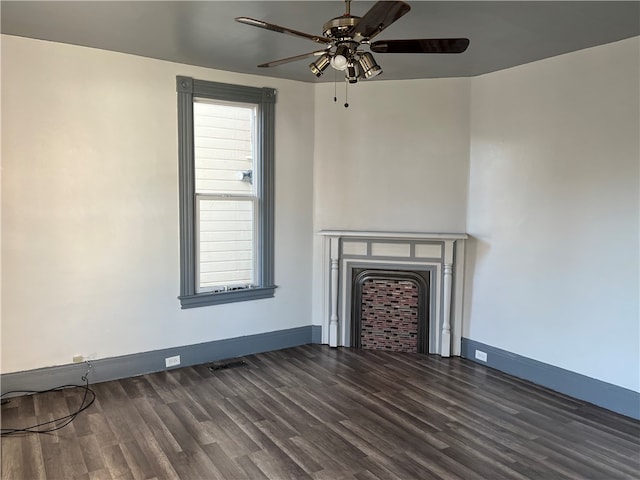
[(58, 423)]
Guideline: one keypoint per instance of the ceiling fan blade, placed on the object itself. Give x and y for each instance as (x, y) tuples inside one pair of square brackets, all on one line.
[(421, 45), (276, 28), (282, 61), (379, 17)]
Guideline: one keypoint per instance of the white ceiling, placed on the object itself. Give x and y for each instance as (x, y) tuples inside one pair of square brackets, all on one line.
[(502, 34)]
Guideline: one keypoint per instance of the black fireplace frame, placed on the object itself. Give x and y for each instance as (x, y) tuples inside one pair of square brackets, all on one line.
[(420, 278)]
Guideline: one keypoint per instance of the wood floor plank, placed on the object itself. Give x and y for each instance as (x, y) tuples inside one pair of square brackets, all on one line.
[(91, 454), (71, 458), (227, 467), (154, 454), (229, 434), (12, 458), (580, 462), (368, 446), (380, 468), (54, 470), (192, 426), (32, 458), (156, 426), (97, 475), (137, 461), (257, 438), (187, 465), (202, 466), (500, 443), (342, 452), (116, 463), (413, 469), (276, 464), (313, 458), (439, 465), (365, 433), (250, 468), (315, 404), (313, 412)]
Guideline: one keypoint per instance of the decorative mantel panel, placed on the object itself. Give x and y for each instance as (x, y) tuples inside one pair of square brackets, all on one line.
[(439, 255)]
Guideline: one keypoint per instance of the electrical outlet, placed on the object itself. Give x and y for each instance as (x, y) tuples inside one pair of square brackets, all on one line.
[(84, 357), (480, 355), (172, 361)]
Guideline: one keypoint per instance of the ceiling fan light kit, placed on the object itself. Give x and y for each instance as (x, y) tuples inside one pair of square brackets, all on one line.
[(344, 36), (341, 57), (369, 66), (352, 72), (319, 66)]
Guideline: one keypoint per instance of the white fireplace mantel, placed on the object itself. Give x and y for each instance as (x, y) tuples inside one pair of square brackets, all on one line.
[(441, 254)]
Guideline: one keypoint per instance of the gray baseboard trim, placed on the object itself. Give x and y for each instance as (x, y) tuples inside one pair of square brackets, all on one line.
[(316, 334), (603, 394), (115, 368)]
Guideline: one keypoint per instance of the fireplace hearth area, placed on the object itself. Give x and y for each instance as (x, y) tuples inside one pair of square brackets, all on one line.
[(399, 291)]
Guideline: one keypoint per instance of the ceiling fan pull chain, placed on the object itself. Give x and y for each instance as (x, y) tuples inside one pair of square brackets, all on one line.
[(335, 87), (346, 93)]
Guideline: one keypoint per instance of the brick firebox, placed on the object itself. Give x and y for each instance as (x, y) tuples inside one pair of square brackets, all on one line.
[(390, 310)]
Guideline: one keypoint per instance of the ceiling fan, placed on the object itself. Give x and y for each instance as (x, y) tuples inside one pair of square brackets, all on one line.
[(344, 36)]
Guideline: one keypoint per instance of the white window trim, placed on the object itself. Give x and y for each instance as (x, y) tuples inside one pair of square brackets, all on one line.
[(188, 89)]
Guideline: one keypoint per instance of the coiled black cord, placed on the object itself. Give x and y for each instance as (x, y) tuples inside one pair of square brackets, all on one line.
[(58, 423)]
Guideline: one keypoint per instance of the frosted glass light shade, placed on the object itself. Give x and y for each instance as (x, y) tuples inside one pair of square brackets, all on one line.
[(339, 62)]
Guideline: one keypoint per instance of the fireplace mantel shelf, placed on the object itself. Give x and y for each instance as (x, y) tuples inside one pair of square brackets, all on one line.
[(391, 235)]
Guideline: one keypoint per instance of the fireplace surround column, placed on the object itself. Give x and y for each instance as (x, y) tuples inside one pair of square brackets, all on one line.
[(333, 322), (446, 302)]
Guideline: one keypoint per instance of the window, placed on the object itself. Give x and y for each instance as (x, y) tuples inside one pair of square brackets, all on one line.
[(226, 174)]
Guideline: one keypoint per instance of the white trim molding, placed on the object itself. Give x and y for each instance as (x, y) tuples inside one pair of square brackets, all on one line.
[(441, 255)]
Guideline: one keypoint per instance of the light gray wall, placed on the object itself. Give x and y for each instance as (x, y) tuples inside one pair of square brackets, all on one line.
[(396, 159), (553, 212), (90, 208)]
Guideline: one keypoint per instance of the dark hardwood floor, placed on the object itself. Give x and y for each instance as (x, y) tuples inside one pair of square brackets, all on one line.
[(313, 412)]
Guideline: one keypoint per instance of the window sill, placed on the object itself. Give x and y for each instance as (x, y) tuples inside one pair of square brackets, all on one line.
[(206, 299)]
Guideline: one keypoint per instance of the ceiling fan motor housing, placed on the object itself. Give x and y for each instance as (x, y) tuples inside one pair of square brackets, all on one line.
[(338, 28)]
